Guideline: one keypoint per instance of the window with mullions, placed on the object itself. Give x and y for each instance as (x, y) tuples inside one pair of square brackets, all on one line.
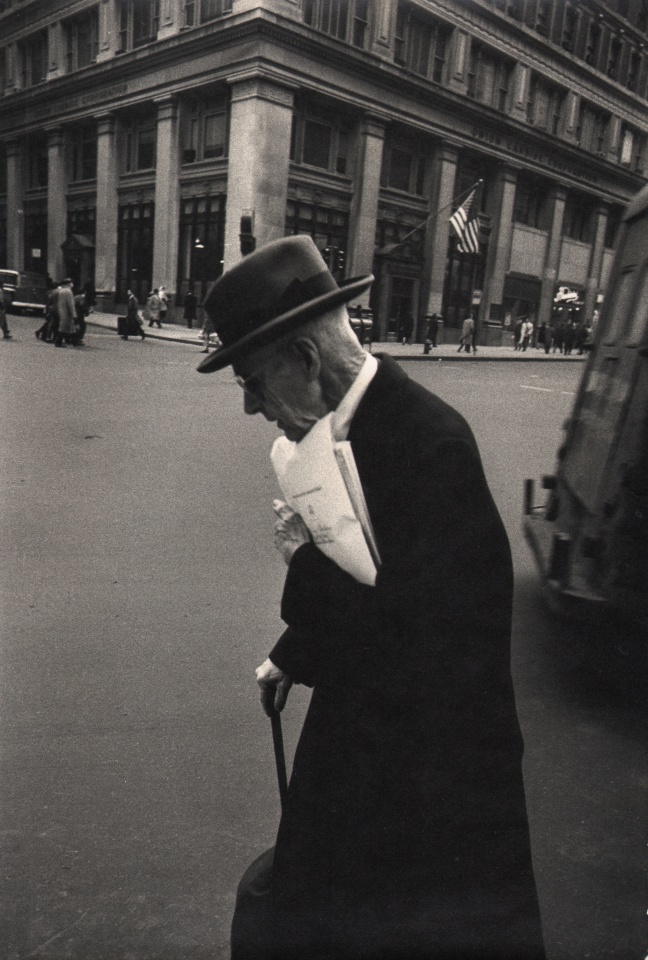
[(139, 141), (489, 77), (420, 43), (138, 23), (591, 128), (36, 163), (403, 169), (569, 28), (84, 153), (205, 129), (345, 19), (544, 106), (202, 11), (578, 222), (329, 229), (33, 55), (82, 44), (82, 220), (201, 244), (593, 44), (531, 203), (135, 250), (318, 143)]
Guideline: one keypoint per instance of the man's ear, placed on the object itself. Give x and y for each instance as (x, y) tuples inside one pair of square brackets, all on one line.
[(307, 353)]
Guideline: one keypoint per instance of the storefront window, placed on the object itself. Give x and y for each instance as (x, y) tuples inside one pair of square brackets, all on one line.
[(201, 244), (135, 250)]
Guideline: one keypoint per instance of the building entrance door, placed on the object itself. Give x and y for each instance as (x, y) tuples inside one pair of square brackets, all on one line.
[(401, 309)]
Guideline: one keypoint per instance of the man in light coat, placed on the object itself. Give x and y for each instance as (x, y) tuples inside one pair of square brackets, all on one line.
[(66, 314), (404, 833)]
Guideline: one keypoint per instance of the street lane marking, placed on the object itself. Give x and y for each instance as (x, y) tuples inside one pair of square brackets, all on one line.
[(525, 386)]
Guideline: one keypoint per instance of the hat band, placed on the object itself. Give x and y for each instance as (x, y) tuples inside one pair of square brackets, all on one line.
[(297, 294)]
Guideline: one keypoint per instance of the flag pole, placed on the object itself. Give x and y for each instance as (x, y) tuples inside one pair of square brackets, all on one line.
[(390, 247)]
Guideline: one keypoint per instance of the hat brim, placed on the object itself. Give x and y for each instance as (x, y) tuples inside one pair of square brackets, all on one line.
[(225, 355)]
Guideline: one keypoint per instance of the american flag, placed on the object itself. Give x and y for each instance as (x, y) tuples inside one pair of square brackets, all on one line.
[(465, 222)]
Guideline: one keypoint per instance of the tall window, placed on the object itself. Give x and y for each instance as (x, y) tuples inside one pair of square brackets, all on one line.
[(139, 144), (84, 153), (82, 220), (204, 134), (634, 69), (202, 11), (578, 223), (614, 59), (138, 23), (3, 70), (544, 106), (36, 163), (591, 129), (593, 43), (403, 168), (82, 40), (531, 202), (33, 53), (420, 43), (328, 227), (202, 242), (135, 249), (569, 27), (345, 19), (320, 141), (489, 77)]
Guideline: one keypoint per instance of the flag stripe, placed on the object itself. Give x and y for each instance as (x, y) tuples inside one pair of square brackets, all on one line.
[(466, 226)]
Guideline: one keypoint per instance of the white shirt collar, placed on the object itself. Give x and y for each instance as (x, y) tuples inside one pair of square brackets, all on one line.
[(350, 401)]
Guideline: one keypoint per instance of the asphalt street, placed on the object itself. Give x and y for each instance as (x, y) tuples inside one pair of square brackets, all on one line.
[(140, 589)]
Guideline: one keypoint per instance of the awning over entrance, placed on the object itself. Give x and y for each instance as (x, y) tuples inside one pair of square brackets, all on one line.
[(520, 287), (77, 243)]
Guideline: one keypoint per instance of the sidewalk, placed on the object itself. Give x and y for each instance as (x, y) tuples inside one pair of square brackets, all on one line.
[(414, 351)]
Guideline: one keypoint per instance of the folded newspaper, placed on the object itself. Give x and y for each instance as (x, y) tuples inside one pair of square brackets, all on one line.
[(319, 480)]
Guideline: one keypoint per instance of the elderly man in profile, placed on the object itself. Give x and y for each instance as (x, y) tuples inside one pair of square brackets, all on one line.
[(404, 834)]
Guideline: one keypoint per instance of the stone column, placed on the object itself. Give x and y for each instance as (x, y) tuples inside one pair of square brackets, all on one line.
[(571, 112), (171, 18), (107, 212), (364, 206), (11, 67), (596, 263), (108, 30), (56, 202), (259, 158), (499, 246), (384, 22), (552, 258), (436, 235), (520, 96), (55, 51), (167, 199), (459, 59), (15, 211)]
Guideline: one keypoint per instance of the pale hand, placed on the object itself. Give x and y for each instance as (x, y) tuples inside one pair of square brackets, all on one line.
[(274, 684), (290, 531)]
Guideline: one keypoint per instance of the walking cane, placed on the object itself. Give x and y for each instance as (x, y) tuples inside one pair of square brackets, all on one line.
[(280, 758)]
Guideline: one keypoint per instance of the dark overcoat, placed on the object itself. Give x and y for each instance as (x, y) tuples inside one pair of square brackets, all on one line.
[(405, 831)]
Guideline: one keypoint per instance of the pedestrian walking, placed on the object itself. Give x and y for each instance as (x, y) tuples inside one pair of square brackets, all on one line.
[(164, 303), (526, 334), (404, 831), (569, 334), (3, 314), (517, 333), (468, 335), (190, 307), (208, 332), (81, 312), (134, 325), (433, 329), (66, 314), (153, 306)]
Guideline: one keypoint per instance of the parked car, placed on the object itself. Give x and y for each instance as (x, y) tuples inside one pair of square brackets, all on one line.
[(24, 291)]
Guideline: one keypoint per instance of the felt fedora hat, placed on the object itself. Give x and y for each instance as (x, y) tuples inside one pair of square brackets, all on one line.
[(270, 292)]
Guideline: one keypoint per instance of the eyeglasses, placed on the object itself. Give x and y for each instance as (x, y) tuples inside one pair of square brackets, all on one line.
[(253, 383)]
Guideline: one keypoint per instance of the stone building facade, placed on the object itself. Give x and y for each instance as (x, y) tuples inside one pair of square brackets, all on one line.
[(148, 142)]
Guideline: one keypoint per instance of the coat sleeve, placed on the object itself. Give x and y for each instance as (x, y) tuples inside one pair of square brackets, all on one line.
[(445, 566)]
